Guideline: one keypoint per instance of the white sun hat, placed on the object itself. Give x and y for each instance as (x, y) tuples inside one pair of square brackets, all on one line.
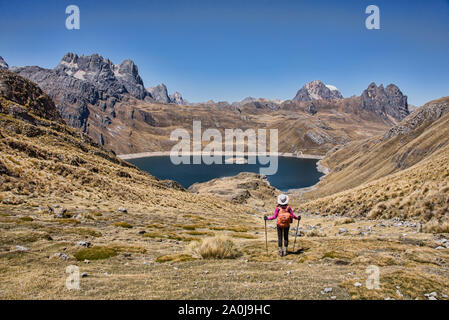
[(282, 199)]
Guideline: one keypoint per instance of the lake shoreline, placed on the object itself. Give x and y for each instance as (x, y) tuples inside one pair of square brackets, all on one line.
[(167, 153)]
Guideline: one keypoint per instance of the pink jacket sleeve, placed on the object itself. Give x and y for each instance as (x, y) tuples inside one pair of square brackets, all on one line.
[(291, 212)]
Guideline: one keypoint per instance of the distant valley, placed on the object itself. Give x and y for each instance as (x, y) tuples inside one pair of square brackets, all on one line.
[(111, 104)]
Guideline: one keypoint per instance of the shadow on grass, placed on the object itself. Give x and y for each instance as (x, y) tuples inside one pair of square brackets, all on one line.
[(298, 251)]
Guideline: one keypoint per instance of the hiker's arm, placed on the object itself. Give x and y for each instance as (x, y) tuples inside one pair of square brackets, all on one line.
[(291, 212), (275, 215)]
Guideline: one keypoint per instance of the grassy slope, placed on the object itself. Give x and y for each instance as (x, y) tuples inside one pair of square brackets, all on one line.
[(405, 176), (47, 163)]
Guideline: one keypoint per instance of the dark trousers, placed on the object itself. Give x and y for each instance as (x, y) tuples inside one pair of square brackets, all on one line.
[(283, 234)]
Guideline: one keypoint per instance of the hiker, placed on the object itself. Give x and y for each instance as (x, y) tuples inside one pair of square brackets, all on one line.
[(284, 215)]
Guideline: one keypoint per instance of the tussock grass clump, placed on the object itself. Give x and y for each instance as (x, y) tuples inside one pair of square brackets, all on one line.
[(123, 225), (214, 248), (434, 226), (95, 253), (344, 221), (314, 233)]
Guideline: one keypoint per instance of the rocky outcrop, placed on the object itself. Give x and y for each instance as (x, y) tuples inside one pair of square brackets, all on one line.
[(71, 95), (3, 64), (114, 80), (22, 92), (385, 102), (82, 86), (159, 93), (176, 98), (317, 90), (429, 113), (259, 103)]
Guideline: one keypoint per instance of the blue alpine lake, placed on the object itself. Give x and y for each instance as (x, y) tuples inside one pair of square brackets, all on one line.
[(293, 173)]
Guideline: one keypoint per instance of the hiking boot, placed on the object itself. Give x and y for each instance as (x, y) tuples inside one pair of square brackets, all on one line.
[(280, 252), (285, 252)]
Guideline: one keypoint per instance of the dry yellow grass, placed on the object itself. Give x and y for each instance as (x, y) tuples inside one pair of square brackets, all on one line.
[(46, 164), (214, 248), (406, 176)]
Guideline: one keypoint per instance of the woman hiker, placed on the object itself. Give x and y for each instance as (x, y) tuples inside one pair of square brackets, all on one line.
[(284, 215)]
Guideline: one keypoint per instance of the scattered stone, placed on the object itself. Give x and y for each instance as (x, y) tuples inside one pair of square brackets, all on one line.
[(288, 272), (21, 248), (86, 261), (106, 274), (342, 230), (122, 209), (327, 290), (333, 297), (357, 284), (84, 244), (432, 298), (206, 272), (61, 213), (83, 275), (440, 248), (63, 256)]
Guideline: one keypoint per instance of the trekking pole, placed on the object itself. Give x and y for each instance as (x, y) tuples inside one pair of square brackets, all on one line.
[(296, 234), (266, 239)]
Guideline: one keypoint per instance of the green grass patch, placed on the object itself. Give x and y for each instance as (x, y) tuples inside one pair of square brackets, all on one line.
[(67, 221), (95, 253), (235, 229), (174, 258), (123, 224), (26, 219)]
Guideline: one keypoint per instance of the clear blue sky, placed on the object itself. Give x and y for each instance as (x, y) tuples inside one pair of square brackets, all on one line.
[(227, 50)]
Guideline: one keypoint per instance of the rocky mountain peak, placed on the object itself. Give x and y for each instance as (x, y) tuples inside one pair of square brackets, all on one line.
[(317, 90), (160, 94), (114, 79), (176, 97), (3, 64), (387, 101)]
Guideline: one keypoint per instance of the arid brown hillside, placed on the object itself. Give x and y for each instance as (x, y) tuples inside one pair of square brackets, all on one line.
[(63, 202), (416, 138), (403, 174), (42, 160), (140, 127)]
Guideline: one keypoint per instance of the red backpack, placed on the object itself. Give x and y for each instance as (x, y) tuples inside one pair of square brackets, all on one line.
[(284, 217)]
